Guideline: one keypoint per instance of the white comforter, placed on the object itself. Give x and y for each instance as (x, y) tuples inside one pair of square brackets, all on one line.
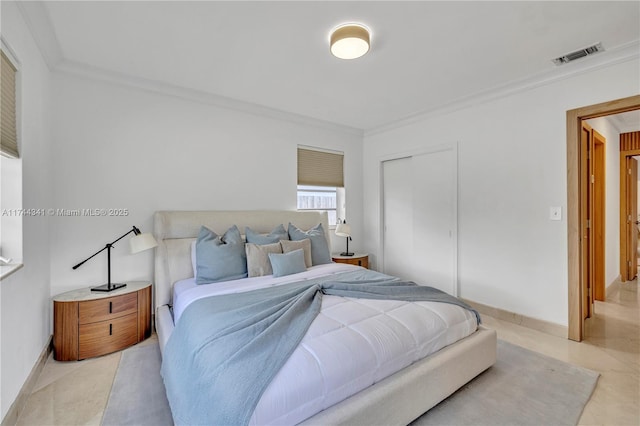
[(352, 344)]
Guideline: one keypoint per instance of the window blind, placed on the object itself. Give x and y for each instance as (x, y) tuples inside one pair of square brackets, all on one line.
[(320, 168), (8, 135)]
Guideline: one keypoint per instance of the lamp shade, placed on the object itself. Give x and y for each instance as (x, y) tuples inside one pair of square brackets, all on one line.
[(343, 230), (350, 41), (142, 242)]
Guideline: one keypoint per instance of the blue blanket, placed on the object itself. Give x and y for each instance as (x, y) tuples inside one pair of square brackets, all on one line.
[(225, 350)]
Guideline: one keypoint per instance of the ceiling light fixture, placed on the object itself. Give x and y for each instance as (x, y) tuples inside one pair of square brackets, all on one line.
[(350, 41)]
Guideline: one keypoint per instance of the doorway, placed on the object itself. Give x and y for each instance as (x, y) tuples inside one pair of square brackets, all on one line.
[(579, 263), (629, 150)]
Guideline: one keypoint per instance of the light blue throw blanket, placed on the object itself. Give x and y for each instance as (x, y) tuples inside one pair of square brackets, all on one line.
[(226, 349)]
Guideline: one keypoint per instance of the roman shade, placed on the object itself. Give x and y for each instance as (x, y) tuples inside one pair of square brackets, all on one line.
[(8, 135), (320, 168)]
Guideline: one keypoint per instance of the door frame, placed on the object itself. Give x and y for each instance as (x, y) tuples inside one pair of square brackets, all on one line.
[(574, 212), (450, 146)]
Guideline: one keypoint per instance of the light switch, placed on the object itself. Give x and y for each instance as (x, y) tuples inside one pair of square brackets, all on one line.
[(555, 213)]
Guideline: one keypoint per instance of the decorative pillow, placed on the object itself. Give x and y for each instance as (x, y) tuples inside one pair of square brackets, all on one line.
[(220, 258), (278, 233), (287, 263), (319, 247), (258, 263), (305, 245)]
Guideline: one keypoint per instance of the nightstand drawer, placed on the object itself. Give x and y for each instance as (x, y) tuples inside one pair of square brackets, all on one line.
[(107, 336), (106, 309), (357, 259), (364, 262), (88, 324)]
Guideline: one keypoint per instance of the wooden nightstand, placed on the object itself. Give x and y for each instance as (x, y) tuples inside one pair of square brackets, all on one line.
[(359, 259), (88, 324)]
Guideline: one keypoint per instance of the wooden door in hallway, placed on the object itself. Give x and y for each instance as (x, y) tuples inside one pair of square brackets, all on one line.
[(630, 219), (629, 148), (593, 217), (598, 182), (586, 219)]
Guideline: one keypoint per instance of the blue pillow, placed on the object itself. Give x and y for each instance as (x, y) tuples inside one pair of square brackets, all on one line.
[(287, 263), (278, 233), (220, 258), (319, 247)]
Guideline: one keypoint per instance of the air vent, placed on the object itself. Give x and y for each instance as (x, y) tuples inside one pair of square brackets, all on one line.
[(579, 54)]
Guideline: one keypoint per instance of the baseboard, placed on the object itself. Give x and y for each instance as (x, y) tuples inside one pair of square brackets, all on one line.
[(613, 285), (11, 418), (523, 320)]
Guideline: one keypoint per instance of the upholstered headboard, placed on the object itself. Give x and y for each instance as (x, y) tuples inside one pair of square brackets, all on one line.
[(175, 230)]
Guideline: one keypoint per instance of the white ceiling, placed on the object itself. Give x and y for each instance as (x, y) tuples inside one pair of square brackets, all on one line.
[(424, 54), (627, 121)]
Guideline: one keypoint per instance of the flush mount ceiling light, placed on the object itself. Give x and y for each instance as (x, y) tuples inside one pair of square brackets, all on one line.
[(350, 41)]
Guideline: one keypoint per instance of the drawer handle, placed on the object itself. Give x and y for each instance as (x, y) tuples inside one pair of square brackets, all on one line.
[(110, 329), (110, 307)]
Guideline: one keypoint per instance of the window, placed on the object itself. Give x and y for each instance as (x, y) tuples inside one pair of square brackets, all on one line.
[(8, 133), (321, 182), (319, 198), (10, 162)]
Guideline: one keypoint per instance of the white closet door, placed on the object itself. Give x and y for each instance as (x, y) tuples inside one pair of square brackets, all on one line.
[(433, 220), (398, 218), (420, 218)]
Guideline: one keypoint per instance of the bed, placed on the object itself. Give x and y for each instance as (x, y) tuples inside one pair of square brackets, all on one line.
[(397, 398)]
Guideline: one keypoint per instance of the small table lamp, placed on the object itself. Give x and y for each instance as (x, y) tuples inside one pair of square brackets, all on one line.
[(344, 230), (138, 243)]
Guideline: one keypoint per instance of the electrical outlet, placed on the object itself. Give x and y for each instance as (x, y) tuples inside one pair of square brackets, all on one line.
[(555, 213)]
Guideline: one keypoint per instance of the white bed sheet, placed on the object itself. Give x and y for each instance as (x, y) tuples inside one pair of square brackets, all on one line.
[(187, 291), (352, 344)]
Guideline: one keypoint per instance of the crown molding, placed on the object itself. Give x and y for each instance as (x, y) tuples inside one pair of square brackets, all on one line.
[(99, 74), (37, 19), (36, 16), (626, 52)]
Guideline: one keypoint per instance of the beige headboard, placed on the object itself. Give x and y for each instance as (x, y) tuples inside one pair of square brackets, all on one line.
[(175, 230)]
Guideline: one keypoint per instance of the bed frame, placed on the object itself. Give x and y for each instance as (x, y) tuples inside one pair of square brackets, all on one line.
[(396, 400)]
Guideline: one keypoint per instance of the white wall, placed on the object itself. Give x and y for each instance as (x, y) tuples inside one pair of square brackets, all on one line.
[(10, 204), (605, 127), (25, 303), (512, 168), (120, 147)]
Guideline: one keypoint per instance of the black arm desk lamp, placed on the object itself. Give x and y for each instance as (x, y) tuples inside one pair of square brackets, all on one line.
[(139, 242), (344, 230)]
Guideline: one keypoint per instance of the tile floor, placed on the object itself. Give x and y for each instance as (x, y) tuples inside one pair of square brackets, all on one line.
[(76, 392), (612, 348)]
